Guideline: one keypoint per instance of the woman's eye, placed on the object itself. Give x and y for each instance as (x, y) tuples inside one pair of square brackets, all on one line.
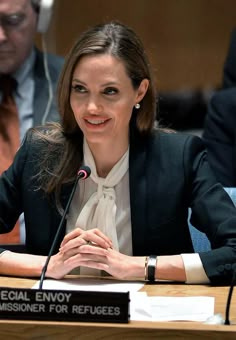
[(110, 91), (79, 88)]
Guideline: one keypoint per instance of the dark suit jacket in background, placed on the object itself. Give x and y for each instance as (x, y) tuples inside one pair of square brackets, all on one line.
[(220, 136), (168, 173), (41, 94), (229, 75)]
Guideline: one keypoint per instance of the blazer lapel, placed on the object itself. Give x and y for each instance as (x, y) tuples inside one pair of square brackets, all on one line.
[(64, 197), (65, 194), (138, 189)]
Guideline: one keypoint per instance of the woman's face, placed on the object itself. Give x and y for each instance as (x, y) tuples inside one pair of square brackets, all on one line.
[(102, 98)]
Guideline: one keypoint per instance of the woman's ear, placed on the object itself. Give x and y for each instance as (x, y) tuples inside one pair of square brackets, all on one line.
[(143, 87)]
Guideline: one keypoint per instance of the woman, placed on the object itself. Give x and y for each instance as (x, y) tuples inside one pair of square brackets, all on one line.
[(135, 203)]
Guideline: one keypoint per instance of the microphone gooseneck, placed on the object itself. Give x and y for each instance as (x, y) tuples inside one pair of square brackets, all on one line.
[(227, 310), (83, 173)]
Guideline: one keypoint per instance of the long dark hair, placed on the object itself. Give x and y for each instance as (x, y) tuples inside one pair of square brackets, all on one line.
[(65, 139)]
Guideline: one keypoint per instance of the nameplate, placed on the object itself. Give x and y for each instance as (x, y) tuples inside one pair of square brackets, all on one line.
[(63, 305)]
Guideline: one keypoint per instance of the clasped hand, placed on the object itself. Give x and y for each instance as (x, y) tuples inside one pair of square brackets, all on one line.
[(91, 249)]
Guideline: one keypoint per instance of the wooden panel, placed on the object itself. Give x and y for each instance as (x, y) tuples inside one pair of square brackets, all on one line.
[(187, 40)]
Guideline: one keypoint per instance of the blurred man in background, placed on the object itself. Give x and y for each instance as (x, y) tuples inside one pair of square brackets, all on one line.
[(28, 79)]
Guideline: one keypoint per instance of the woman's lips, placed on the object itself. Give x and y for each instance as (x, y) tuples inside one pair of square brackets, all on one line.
[(96, 122)]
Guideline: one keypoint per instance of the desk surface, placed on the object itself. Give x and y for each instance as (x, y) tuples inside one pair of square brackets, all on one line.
[(16, 329)]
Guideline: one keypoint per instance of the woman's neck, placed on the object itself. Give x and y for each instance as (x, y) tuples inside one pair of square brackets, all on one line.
[(106, 156)]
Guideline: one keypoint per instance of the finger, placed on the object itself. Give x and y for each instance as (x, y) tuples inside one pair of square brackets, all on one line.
[(72, 243), (93, 236), (95, 265), (73, 234), (86, 250), (86, 260), (98, 237), (93, 249)]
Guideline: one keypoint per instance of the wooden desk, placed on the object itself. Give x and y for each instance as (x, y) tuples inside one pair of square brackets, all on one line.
[(135, 330)]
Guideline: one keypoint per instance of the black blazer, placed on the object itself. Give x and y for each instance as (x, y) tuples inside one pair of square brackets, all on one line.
[(168, 173), (219, 136)]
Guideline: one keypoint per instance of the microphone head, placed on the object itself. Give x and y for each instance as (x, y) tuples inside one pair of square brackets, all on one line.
[(84, 172)]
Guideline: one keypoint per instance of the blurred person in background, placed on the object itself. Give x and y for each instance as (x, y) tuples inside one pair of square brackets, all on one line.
[(220, 124), (28, 78)]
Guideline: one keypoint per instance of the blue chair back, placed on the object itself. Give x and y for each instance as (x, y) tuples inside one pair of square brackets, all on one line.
[(199, 239)]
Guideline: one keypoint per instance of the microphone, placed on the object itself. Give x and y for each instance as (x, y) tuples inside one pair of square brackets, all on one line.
[(83, 173), (227, 320)]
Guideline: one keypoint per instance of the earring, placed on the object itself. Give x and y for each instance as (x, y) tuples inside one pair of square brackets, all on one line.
[(137, 106)]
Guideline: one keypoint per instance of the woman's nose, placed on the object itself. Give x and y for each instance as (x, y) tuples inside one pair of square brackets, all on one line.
[(94, 105)]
